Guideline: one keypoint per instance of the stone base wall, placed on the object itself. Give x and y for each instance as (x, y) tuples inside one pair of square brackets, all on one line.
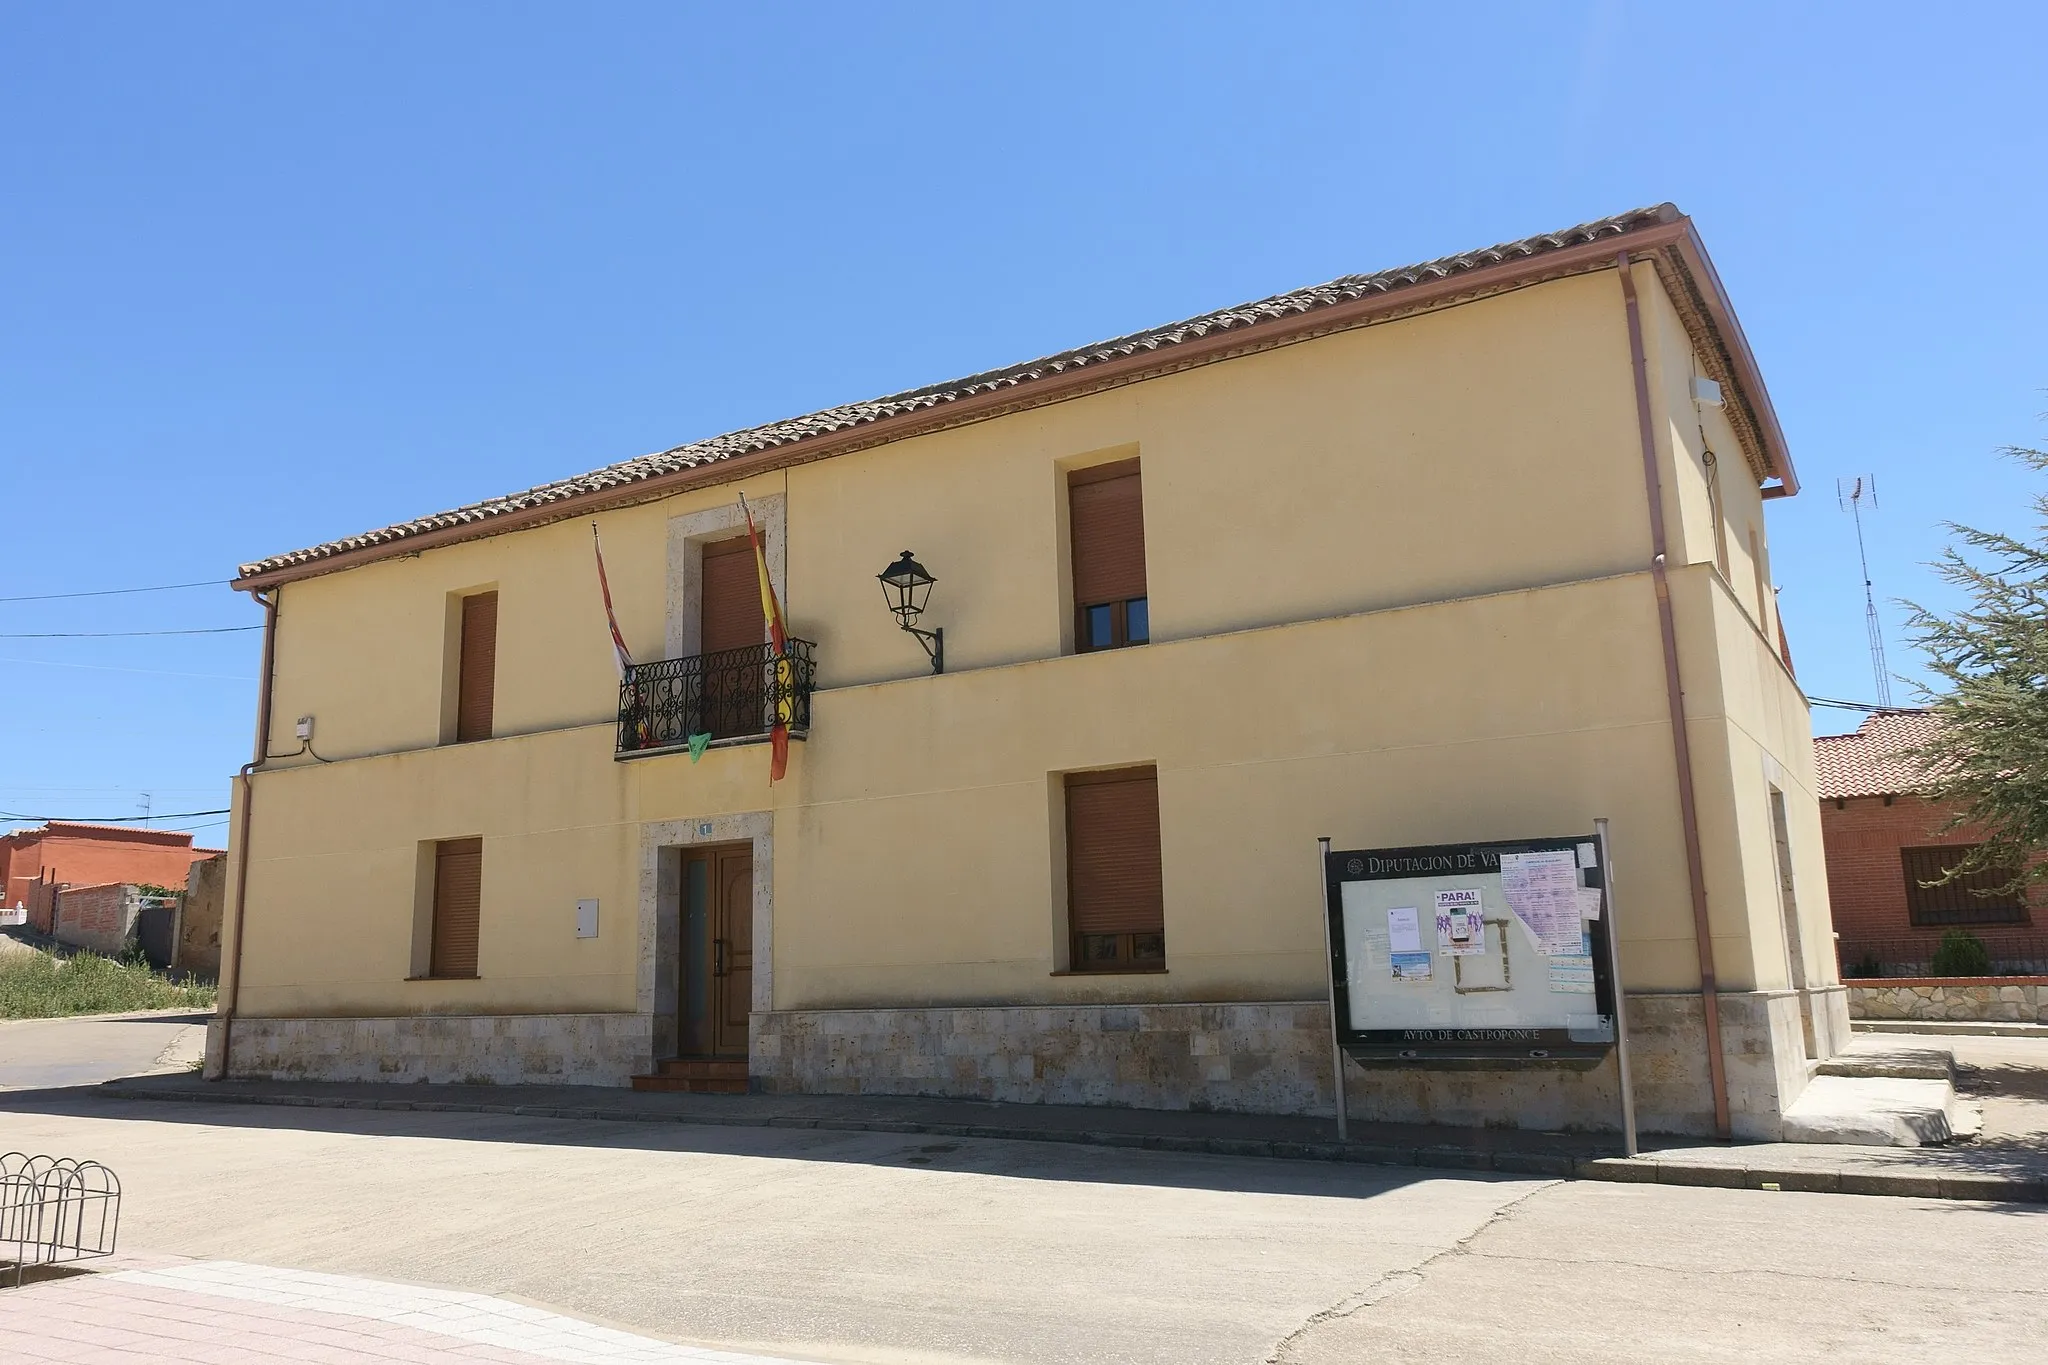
[(1762, 1044), (496, 1049), (1274, 1058), (2003, 1000), (1269, 1058)]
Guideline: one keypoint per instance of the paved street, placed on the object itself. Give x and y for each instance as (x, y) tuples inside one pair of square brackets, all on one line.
[(35, 1053), (866, 1247)]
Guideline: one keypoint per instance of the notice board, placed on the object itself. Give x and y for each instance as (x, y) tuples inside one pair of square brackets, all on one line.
[(1486, 954)]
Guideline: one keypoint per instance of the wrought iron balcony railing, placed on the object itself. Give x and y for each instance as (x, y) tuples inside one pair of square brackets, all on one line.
[(728, 695)]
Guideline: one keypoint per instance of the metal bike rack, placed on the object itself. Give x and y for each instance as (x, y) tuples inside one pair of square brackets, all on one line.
[(54, 1210)]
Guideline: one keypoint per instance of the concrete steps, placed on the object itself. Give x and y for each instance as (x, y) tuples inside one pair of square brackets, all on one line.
[(1874, 1055), (697, 1076), (1881, 1091)]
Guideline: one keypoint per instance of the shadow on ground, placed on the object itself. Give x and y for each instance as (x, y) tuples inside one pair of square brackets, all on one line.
[(1065, 1160)]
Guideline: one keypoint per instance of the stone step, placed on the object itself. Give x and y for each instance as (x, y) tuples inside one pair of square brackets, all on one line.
[(693, 1085), (1880, 1111), (704, 1068), (1900, 1058)]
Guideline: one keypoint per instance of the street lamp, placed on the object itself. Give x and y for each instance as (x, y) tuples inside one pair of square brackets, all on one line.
[(907, 587)]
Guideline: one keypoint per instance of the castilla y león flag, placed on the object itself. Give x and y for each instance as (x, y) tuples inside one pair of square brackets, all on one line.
[(771, 610), (604, 587)]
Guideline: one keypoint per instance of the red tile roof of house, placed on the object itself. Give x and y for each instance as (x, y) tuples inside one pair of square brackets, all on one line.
[(1873, 759), (656, 474)]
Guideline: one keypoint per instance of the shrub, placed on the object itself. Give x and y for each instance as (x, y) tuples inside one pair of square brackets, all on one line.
[(1961, 953), (40, 986)]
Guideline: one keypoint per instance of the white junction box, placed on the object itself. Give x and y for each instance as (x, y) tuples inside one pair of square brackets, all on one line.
[(586, 919)]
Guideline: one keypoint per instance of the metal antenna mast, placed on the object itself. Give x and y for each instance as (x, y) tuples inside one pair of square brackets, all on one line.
[(1851, 493)]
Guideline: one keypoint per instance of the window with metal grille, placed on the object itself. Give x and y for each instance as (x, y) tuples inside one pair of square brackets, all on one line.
[(1958, 901), (1116, 900), (477, 675), (1106, 519), (458, 898)]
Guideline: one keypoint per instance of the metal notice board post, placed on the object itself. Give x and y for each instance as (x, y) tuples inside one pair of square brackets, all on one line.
[(1627, 1086), (1330, 961)]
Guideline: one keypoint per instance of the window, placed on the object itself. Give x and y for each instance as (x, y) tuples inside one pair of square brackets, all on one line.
[(458, 893), (1116, 903), (730, 609), (477, 674), (1957, 902), (1106, 515)]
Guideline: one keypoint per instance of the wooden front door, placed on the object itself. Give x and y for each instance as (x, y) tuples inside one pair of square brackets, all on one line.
[(716, 992), (732, 968)]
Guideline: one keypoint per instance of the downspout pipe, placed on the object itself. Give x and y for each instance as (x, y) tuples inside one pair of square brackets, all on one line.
[(231, 997), (1674, 695)]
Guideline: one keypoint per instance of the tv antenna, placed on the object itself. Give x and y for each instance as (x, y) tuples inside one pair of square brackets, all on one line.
[(1852, 494)]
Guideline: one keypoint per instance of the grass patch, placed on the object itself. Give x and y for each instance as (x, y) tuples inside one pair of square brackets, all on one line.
[(39, 986)]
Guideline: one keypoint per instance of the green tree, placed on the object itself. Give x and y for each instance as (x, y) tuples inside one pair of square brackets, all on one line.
[(1989, 756)]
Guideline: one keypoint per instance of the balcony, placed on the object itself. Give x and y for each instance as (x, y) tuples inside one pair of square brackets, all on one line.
[(735, 694)]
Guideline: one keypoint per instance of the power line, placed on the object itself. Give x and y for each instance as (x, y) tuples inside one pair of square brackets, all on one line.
[(112, 668), (114, 592), (1858, 706), (109, 820), (121, 634)]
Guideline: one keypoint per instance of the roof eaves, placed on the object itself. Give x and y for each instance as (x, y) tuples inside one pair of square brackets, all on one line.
[(1353, 300)]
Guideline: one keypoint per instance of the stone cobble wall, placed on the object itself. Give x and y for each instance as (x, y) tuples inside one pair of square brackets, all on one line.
[(2004, 1000), (497, 1049)]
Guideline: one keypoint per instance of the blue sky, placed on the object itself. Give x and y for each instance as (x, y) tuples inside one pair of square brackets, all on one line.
[(278, 273)]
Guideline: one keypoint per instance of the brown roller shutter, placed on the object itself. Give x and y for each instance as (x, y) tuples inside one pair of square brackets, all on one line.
[(458, 895), (731, 613), (1106, 507), (1114, 885), (477, 679)]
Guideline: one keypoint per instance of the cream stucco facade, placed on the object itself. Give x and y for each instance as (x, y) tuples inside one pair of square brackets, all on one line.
[(1401, 592)]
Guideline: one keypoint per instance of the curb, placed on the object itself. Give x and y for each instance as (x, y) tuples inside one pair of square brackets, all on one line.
[(1953, 1028), (1640, 1170)]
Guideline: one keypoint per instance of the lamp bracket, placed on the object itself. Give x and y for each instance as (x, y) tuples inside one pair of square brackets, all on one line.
[(934, 642)]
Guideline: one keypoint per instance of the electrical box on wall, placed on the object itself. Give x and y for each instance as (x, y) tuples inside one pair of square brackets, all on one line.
[(1705, 390), (586, 919)]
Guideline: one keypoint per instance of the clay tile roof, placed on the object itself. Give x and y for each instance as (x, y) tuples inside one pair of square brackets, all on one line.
[(1872, 759), (1158, 339)]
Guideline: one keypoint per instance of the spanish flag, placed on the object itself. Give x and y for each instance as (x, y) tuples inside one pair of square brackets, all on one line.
[(771, 610)]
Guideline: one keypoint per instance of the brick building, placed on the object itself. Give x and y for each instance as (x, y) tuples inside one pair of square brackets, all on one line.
[(33, 862), (1884, 840)]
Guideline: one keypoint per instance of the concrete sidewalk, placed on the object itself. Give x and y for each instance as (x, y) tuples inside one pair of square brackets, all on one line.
[(2013, 1171), (192, 1312)]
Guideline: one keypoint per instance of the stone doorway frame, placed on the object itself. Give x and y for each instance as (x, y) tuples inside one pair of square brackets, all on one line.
[(662, 843)]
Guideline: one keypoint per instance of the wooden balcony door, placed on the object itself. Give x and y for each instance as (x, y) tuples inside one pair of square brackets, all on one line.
[(731, 619), (717, 989)]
